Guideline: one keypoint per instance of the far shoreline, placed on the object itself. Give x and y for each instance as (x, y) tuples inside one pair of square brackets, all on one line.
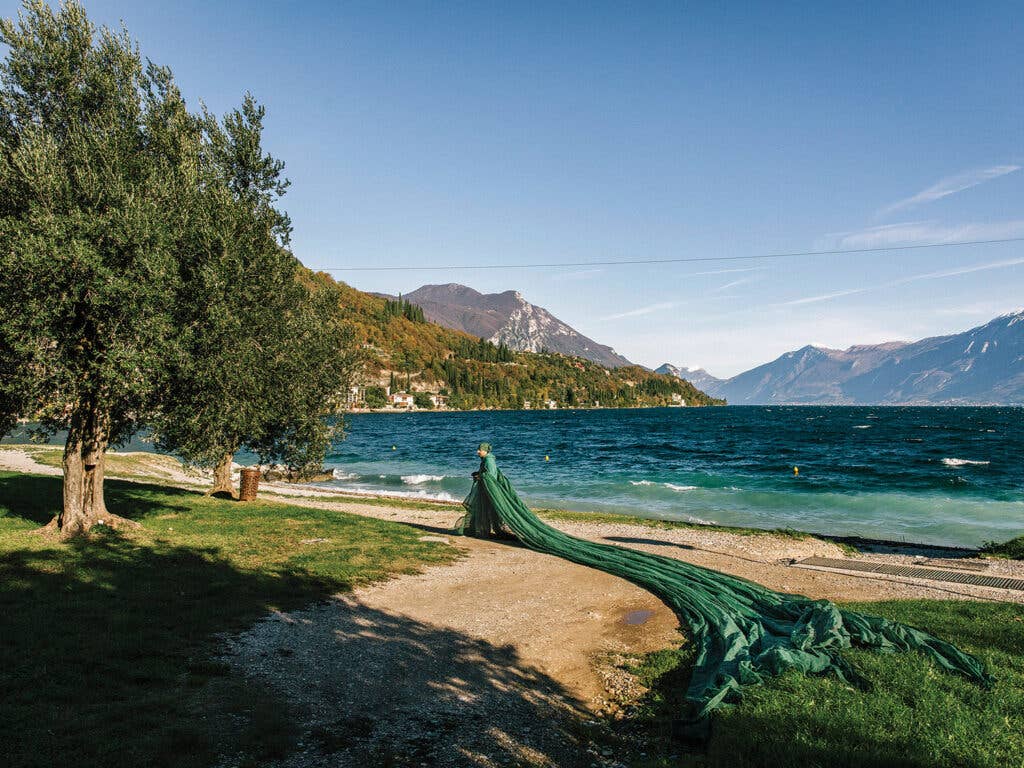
[(678, 407)]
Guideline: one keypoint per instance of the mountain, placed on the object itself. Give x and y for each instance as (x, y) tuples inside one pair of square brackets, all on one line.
[(700, 378), (403, 349), (507, 318), (982, 366)]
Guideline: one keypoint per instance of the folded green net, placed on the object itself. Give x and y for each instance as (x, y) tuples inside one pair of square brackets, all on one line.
[(742, 632)]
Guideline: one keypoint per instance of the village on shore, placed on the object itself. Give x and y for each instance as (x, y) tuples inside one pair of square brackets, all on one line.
[(401, 401)]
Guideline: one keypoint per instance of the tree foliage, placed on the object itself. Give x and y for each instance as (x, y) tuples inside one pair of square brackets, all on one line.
[(265, 356), (402, 308), (94, 154), (144, 265)]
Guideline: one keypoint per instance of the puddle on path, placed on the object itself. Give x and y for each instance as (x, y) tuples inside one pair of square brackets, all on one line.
[(637, 617)]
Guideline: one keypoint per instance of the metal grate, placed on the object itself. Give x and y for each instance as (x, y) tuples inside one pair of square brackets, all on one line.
[(912, 572), (966, 565)]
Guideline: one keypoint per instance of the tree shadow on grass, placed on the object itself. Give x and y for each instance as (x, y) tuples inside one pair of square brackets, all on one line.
[(110, 656), (105, 649), (37, 498)]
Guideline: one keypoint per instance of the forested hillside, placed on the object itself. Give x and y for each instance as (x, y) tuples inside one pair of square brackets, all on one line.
[(405, 351)]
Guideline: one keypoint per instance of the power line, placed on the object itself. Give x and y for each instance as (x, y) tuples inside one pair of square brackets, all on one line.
[(689, 260)]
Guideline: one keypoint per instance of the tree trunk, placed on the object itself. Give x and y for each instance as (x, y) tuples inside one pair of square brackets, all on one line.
[(84, 457), (222, 477)]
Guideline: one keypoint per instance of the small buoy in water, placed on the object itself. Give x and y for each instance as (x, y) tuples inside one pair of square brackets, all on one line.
[(392, 447), (547, 458), (796, 470)]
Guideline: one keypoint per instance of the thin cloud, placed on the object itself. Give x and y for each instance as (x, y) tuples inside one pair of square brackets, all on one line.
[(649, 309), (823, 297), (726, 271), (962, 270), (733, 284), (955, 272), (926, 233), (950, 186)]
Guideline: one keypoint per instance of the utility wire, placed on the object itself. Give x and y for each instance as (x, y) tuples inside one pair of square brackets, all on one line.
[(688, 260)]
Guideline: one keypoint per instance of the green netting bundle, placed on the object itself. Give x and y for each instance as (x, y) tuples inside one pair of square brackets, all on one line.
[(743, 632)]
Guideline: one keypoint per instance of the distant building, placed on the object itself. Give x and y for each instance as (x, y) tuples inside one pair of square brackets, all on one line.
[(354, 396), (439, 401), (550, 405), (677, 399), (401, 400), (527, 405)]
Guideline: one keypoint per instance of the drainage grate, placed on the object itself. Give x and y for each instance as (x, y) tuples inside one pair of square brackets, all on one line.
[(912, 572), (967, 565)]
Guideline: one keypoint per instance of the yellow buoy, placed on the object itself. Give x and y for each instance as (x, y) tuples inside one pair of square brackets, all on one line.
[(547, 458), (796, 470)]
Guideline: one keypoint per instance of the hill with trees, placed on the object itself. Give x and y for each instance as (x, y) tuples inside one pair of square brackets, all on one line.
[(405, 352)]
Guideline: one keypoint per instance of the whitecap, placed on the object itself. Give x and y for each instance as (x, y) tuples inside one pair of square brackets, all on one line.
[(862, 426), (640, 482), (963, 463), (340, 474), (674, 487), (420, 479)]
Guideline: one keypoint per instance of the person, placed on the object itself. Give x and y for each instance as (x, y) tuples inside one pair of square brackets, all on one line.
[(743, 632), (481, 519)]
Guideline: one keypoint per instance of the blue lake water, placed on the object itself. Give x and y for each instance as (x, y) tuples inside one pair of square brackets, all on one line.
[(931, 475), (935, 475)]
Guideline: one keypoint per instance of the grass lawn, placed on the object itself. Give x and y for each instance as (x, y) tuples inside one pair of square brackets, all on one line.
[(916, 715), (106, 649)]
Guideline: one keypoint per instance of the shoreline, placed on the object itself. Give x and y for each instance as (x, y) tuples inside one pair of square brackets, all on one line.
[(152, 467)]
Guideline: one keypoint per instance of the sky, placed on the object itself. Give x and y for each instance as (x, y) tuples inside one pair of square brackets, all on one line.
[(436, 134)]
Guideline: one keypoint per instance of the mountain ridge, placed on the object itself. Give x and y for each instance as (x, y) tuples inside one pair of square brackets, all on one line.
[(508, 318), (983, 365), (405, 351)]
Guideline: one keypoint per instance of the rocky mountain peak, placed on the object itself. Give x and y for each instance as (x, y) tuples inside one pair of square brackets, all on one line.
[(510, 319)]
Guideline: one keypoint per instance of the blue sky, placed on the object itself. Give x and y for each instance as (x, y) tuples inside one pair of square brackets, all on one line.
[(458, 133)]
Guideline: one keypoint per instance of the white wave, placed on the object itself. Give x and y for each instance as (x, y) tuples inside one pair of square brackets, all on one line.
[(963, 463), (340, 474), (419, 479), (862, 426), (670, 486)]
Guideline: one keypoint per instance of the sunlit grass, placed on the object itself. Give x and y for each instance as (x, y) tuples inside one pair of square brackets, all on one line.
[(915, 715)]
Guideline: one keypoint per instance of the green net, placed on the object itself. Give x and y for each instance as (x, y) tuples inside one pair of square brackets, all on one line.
[(742, 632)]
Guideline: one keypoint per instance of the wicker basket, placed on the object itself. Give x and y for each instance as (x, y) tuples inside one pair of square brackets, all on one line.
[(249, 485)]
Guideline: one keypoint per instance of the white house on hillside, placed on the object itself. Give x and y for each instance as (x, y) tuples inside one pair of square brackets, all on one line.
[(400, 400)]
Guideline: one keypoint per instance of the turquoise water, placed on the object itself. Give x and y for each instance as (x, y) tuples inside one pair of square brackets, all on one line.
[(934, 475), (930, 475)]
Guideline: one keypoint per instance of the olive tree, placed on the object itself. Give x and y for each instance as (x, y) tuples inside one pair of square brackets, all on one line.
[(95, 151), (265, 355)]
